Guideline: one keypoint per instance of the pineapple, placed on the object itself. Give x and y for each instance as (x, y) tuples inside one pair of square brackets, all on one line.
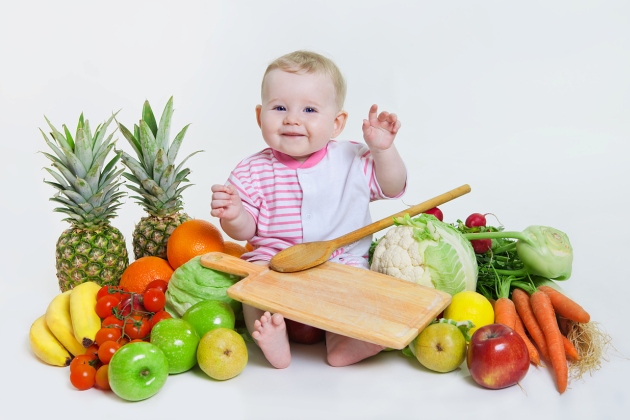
[(91, 249), (157, 180)]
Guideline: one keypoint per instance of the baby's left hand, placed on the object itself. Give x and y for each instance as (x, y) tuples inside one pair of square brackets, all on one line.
[(379, 132)]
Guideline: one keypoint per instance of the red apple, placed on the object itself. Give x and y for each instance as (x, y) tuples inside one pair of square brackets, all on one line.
[(497, 356), (302, 333)]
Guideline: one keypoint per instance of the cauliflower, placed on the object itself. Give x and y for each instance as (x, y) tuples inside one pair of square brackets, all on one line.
[(427, 252)]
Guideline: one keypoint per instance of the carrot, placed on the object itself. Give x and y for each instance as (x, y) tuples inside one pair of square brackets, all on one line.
[(546, 317), (570, 350), (534, 356), (525, 312), (505, 312), (566, 307)]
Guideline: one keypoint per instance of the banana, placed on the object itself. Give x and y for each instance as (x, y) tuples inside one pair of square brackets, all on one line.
[(60, 323), (46, 346), (85, 321)]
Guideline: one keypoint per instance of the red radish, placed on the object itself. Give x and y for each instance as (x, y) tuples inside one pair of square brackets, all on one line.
[(436, 212), (475, 219), (481, 246)]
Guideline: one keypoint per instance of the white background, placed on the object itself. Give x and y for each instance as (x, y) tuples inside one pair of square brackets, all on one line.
[(528, 102)]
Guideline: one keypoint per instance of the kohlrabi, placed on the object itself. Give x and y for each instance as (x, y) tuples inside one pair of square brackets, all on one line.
[(543, 251)]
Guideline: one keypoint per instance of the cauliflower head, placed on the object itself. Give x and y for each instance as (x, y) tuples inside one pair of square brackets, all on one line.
[(426, 251)]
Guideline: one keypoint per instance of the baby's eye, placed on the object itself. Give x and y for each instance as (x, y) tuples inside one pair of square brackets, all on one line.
[(279, 108), (309, 109)]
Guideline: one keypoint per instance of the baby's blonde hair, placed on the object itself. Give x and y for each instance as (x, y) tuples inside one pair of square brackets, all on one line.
[(311, 62)]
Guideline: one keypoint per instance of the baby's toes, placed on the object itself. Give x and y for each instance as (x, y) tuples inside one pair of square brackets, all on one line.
[(277, 319)]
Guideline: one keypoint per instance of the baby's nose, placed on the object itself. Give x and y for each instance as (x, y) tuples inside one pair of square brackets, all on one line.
[(292, 118)]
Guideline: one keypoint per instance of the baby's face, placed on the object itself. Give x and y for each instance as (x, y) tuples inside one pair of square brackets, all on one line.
[(299, 114)]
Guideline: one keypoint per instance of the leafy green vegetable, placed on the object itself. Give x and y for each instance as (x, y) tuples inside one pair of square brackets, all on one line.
[(192, 283)]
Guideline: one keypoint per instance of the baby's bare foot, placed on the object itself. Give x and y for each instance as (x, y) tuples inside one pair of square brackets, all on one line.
[(271, 335)]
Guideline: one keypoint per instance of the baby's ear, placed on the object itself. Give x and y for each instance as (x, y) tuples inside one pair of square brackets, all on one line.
[(258, 109), (340, 123)]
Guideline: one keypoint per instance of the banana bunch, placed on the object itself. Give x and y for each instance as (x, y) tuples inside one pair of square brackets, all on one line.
[(68, 327)]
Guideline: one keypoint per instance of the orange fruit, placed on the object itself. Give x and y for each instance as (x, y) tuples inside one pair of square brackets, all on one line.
[(249, 247), (192, 238), (143, 271), (232, 248)]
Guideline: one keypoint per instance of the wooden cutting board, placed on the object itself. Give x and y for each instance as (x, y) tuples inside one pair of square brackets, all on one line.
[(354, 302)]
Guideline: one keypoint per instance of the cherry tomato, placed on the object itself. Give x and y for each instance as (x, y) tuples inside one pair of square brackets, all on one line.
[(475, 219), (82, 359), (437, 213), (102, 377), (107, 334), (157, 284), (154, 300), (107, 290), (82, 377), (158, 316), (107, 350), (92, 351), (123, 340), (106, 305), (112, 321), (137, 326)]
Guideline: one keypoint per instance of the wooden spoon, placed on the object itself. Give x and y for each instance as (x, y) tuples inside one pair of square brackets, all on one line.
[(310, 254)]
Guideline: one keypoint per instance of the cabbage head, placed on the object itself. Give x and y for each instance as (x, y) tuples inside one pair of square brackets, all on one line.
[(192, 283), (425, 251)]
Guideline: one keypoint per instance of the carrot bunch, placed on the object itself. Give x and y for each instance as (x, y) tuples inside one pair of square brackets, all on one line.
[(538, 313)]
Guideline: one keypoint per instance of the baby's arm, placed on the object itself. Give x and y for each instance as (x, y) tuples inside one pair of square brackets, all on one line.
[(379, 133), (235, 220)]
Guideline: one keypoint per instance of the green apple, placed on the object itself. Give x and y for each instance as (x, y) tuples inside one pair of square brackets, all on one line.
[(209, 314), (137, 371), (222, 353), (178, 340), (440, 347)]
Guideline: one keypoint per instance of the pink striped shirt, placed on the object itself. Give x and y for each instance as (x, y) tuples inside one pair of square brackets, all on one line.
[(274, 187)]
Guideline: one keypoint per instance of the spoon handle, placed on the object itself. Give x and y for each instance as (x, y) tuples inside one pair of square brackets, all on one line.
[(372, 228)]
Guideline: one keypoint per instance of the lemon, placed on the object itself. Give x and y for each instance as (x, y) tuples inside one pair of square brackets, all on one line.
[(471, 306)]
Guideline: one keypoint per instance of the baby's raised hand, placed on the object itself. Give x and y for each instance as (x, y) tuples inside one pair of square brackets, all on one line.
[(226, 203), (379, 131)]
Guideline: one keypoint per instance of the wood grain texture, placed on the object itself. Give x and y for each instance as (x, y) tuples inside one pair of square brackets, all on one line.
[(310, 254), (354, 302)]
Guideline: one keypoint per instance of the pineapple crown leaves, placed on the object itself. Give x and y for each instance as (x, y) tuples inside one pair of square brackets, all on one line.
[(87, 187), (157, 180)]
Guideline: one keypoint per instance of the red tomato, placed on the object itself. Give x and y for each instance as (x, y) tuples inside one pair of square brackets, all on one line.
[(106, 305), (157, 284), (108, 290), (154, 300), (137, 326), (107, 334), (82, 377), (92, 351), (102, 377), (112, 321), (158, 316), (82, 359), (107, 350)]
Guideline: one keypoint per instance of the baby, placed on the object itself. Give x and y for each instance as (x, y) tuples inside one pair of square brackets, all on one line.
[(307, 187)]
